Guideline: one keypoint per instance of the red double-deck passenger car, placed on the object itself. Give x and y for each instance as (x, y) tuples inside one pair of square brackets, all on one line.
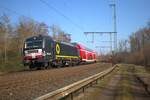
[(86, 54)]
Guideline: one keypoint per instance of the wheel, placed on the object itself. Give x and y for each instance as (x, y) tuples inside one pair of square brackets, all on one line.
[(72, 64), (44, 65), (31, 66)]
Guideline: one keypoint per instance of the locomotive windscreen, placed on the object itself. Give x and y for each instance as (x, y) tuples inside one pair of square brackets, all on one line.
[(33, 44)]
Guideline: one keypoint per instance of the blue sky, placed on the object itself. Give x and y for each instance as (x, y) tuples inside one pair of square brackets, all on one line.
[(89, 15)]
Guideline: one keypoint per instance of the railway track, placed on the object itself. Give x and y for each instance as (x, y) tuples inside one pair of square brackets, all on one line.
[(68, 90), (28, 85), (49, 68)]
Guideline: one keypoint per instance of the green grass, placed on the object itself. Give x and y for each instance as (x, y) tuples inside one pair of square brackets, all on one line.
[(125, 85), (101, 83), (11, 65)]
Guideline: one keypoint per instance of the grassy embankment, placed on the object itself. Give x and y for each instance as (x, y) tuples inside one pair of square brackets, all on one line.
[(13, 64), (122, 88)]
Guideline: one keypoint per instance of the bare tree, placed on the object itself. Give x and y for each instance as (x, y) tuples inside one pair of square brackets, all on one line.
[(5, 30), (28, 27), (59, 35), (41, 28)]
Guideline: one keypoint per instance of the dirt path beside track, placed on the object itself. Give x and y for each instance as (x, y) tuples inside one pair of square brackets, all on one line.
[(125, 83)]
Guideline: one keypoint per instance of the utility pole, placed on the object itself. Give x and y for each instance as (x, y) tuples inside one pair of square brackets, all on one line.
[(5, 47), (109, 33), (113, 41), (102, 47), (113, 5)]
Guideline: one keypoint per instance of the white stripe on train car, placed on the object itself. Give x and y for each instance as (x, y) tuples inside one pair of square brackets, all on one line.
[(88, 60), (86, 51), (33, 55)]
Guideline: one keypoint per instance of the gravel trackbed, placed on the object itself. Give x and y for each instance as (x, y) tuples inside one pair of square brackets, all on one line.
[(28, 85)]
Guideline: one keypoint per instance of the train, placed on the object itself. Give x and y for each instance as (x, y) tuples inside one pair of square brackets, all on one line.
[(43, 52)]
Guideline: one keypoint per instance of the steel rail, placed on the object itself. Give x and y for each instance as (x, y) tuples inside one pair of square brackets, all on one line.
[(65, 91)]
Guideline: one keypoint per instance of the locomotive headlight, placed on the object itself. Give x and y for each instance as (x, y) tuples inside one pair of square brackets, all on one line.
[(40, 50), (26, 52), (25, 45), (44, 53)]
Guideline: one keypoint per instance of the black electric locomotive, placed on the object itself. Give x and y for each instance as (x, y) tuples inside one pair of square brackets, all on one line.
[(42, 51)]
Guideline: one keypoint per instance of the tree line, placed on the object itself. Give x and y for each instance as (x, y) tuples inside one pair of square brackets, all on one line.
[(12, 37), (136, 49)]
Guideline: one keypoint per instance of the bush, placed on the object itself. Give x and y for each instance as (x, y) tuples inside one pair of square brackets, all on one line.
[(12, 64)]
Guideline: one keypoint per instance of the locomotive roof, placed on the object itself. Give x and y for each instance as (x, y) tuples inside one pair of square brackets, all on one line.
[(38, 37), (67, 44), (81, 46)]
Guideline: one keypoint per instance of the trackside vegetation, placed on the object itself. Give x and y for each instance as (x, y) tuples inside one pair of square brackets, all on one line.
[(13, 35)]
